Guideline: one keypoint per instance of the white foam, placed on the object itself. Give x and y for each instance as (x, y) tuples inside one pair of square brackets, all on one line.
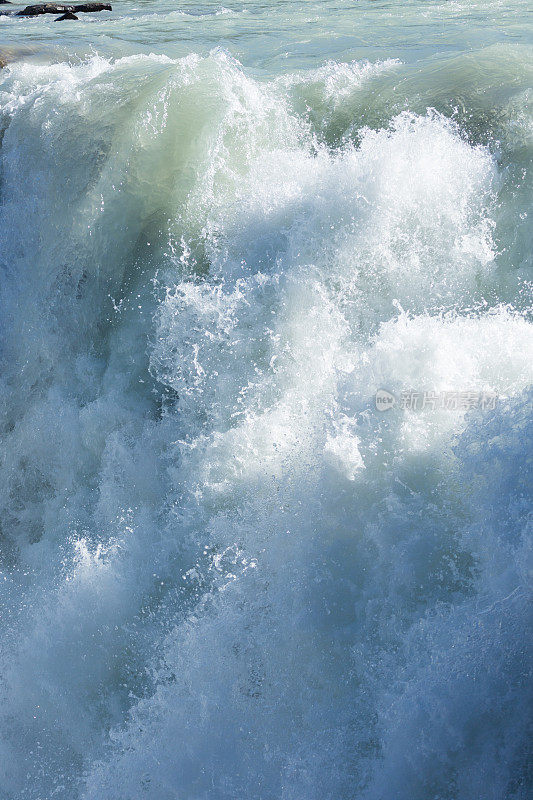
[(223, 567)]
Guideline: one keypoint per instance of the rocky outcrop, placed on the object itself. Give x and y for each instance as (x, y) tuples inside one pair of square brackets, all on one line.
[(61, 8), (68, 15)]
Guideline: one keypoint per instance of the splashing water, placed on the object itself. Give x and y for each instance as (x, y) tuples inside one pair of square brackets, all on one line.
[(225, 573)]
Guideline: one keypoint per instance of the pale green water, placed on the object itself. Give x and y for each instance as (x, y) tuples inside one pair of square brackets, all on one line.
[(225, 574), (277, 37)]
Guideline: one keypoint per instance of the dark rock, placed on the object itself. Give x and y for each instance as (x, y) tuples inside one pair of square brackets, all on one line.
[(61, 8), (86, 8), (68, 15)]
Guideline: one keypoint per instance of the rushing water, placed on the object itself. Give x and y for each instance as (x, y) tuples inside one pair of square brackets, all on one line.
[(225, 574)]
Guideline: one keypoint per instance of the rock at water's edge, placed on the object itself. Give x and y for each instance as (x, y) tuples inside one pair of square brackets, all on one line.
[(62, 8), (68, 15)]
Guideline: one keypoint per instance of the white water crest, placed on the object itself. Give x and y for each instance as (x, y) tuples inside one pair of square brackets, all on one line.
[(225, 573)]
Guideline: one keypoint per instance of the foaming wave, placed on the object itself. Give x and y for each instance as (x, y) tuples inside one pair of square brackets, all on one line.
[(228, 575), (334, 82)]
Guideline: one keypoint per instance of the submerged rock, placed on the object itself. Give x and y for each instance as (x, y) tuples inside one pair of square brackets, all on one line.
[(68, 15), (61, 8), (11, 53)]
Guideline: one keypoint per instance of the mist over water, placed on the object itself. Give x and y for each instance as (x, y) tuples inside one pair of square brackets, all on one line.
[(225, 574)]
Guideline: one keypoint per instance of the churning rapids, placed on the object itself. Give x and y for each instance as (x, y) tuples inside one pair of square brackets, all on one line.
[(225, 574)]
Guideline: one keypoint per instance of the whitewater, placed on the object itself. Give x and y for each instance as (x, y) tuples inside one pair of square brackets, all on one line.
[(226, 572)]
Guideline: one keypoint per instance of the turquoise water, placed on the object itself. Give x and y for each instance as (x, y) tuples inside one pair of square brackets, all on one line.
[(227, 234), (278, 37)]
